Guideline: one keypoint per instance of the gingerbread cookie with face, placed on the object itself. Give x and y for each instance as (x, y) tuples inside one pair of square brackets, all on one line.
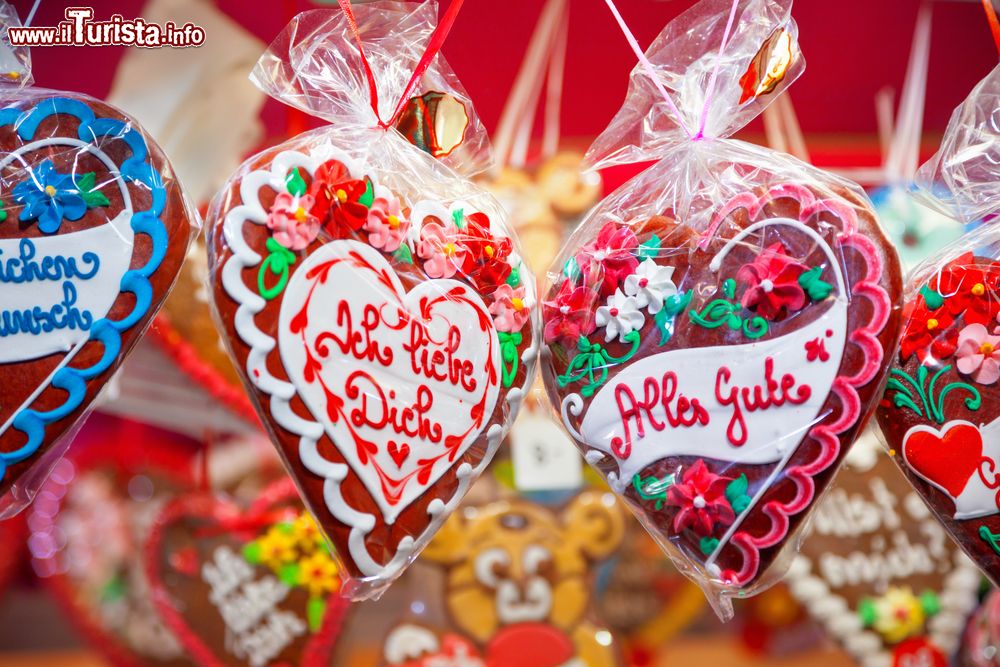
[(716, 379), (93, 231), (939, 414), (384, 334)]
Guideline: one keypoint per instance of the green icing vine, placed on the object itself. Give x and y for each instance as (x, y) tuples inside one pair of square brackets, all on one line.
[(278, 261), (723, 311), (992, 539), (509, 342), (652, 489), (592, 362), (814, 285), (908, 389), (667, 316)]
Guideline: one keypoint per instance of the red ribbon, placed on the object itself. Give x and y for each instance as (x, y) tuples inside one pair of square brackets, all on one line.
[(991, 18), (438, 37)]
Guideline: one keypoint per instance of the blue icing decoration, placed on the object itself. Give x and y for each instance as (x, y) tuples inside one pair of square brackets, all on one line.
[(105, 331), (25, 268), (49, 197)]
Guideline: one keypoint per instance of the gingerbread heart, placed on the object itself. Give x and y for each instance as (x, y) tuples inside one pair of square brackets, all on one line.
[(716, 379), (93, 232), (89, 520), (384, 337), (253, 588), (878, 572), (938, 416)]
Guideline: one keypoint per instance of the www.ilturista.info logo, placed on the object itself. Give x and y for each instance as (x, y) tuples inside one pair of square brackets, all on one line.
[(79, 29)]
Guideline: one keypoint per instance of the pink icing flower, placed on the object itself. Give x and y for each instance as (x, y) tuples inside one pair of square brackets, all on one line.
[(290, 221), (570, 315), (610, 259), (441, 249), (978, 354), (385, 225), (701, 497), (510, 308), (772, 283)]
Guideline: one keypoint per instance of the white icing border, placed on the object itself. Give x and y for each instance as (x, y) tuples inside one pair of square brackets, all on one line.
[(281, 392)]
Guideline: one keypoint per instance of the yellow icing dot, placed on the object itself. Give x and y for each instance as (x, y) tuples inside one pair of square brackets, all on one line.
[(393, 221), (517, 303), (488, 250), (50, 191), (932, 324), (300, 214), (341, 196), (14, 75), (986, 349), (450, 249), (978, 289)]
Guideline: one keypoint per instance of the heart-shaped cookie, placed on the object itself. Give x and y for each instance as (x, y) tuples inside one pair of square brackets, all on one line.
[(89, 520), (385, 339), (878, 572), (93, 231), (939, 415), (716, 379), (255, 588)]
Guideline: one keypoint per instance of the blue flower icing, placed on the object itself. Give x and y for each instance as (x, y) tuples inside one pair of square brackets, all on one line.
[(106, 332), (49, 197)]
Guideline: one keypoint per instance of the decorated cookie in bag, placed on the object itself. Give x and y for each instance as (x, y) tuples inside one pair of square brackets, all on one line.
[(717, 328), (255, 588), (879, 573), (981, 643), (93, 231), (373, 300)]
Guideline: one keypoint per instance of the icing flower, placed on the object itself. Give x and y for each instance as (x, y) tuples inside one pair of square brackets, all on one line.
[(306, 533), (277, 547), (701, 497), (441, 248), (772, 283), (978, 354), (570, 315), (610, 259), (928, 333), (898, 614), (319, 574), (487, 263), (385, 225), (968, 290), (339, 196), (620, 317), (291, 221), (651, 285), (510, 308), (49, 197)]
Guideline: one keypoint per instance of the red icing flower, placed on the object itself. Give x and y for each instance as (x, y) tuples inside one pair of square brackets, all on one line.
[(487, 262), (337, 196), (772, 282), (968, 290), (701, 497), (928, 333), (570, 315), (610, 259)]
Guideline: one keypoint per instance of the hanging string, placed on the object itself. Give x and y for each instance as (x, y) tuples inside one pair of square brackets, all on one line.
[(648, 66), (991, 18), (710, 93), (31, 14), (437, 40)]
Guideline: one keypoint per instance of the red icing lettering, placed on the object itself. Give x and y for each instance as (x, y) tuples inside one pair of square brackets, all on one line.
[(757, 397)]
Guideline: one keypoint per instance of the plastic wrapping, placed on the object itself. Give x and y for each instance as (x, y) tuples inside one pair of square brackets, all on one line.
[(374, 300), (93, 231), (941, 415), (715, 331), (964, 176)]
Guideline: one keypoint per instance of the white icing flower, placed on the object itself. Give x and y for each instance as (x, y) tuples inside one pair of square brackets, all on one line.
[(620, 317), (651, 285)]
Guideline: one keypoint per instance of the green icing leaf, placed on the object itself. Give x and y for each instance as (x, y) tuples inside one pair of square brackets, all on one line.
[(814, 285), (251, 553), (736, 494), (708, 545), (86, 182), (930, 602), (514, 279), (91, 197), (650, 248), (933, 299), (294, 183), (369, 196), (315, 610), (867, 612), (3, 211), (458, 216), (403, 254), (666, 316), (289, 574), (571, 269), (115, 589)]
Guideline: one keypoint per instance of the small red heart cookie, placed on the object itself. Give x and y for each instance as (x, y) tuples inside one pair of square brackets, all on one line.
[(384, 338), (717, 380), (89, 520), (939, 415), (877, 571), (255, 588), (93, 231)]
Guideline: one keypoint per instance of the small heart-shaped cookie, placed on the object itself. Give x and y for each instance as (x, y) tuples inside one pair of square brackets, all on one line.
[(93, 231), (717, 378), (384, 334)]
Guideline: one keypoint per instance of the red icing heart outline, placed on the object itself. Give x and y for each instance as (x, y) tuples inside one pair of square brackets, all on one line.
[(947, 458)]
